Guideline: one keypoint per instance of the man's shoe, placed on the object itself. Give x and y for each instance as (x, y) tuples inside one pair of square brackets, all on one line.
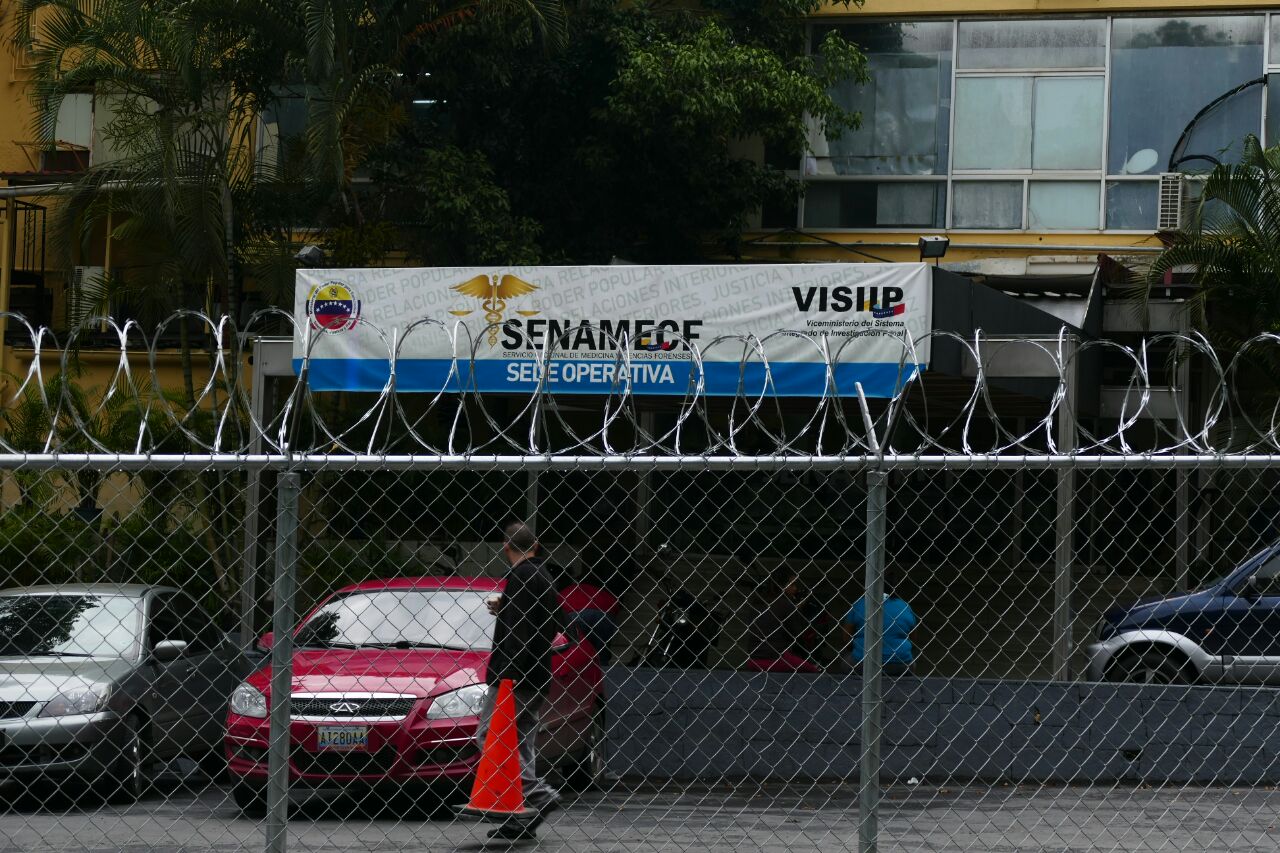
[(513, 831), (543, 813)]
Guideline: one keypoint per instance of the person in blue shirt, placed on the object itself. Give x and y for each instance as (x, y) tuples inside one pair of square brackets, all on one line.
[(897, 653)]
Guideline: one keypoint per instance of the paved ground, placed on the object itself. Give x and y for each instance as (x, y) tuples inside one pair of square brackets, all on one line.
[(774, 818)]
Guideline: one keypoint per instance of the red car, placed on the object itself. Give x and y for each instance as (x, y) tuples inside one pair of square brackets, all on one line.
[(387, 682)]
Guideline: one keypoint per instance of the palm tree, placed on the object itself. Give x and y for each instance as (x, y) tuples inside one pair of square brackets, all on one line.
[(188, 79), (1232, 247), (1232, 244), (180, 136)]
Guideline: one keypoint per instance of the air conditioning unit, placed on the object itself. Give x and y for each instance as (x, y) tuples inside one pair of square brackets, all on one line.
[(82, 276), (87, 294), (1173, 196)]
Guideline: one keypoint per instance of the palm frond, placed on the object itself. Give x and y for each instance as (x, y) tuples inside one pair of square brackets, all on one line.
[(321, 37), (1231, 249)]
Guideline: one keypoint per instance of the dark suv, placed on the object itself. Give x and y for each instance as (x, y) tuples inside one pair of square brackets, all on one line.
[(1229, 631)]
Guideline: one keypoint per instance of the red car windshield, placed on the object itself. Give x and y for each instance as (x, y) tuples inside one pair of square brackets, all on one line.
[(402, 619)]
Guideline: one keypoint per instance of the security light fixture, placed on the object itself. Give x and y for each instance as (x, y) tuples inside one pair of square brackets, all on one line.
[(933, 247), (310, 256)]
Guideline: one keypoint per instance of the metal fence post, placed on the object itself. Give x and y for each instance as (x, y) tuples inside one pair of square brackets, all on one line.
[(252, 504), (873, 596), (1065, 521), (282, 662), (1182, 481)]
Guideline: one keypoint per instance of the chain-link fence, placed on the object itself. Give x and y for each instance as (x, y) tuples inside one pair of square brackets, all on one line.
[(836, 623)]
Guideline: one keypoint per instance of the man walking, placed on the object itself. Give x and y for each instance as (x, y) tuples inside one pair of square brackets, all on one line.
[(522, 641)]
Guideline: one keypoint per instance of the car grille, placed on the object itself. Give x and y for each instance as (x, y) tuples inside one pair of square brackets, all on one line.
[(249, 752), (445, 755), (345, 708), (345, 763), (13, 710)]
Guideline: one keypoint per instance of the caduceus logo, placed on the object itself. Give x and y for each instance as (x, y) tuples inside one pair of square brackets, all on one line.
[(494, 291)]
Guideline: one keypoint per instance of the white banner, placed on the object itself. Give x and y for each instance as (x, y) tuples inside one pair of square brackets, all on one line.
[(488, 327)]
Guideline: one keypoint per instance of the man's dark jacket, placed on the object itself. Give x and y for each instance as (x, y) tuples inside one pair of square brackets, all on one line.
[(526, 628)]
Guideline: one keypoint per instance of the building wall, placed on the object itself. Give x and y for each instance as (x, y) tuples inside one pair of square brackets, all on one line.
[(992, 249), (101, 365), (716, 726), (1011, 248), (1028, 7), (16, 113)]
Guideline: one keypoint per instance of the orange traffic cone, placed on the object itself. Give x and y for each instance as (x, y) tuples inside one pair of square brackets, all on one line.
[(497, 791)]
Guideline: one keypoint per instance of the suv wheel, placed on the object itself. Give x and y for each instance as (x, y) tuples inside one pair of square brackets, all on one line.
[(1152, 666)]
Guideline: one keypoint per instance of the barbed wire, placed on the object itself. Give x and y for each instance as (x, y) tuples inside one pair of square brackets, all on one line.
[(134, 410), (696, 512)]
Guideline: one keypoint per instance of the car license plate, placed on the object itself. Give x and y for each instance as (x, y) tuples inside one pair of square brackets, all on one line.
[(342, 737)]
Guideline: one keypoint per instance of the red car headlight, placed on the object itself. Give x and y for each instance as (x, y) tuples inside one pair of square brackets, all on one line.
[(463, 702), (248, 701)]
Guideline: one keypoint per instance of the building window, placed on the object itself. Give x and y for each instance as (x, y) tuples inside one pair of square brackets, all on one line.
[(1271, 132), (1062, 205), (1029, 99), (282, 128), (1273, 107), (1033, 44), (1018, 123), (878, 204), (1166, 70), (75, 120), (1056, 124), (72, 135), (993, 123), (987, 204), (106, 107), (1067, 122), (1132, 205), (904, 108)]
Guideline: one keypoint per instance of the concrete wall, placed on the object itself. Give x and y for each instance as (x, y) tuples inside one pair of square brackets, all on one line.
[(717, 725)]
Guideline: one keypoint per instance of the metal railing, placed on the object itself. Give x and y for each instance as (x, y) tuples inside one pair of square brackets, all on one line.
[(780, 622)]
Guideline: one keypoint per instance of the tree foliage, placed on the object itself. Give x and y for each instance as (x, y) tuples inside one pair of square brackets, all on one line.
[(631, 142), (1232, 246), (445, 132)]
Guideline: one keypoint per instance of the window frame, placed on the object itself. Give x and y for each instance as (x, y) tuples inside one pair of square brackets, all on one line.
[(1102, 175), (1032, 171)]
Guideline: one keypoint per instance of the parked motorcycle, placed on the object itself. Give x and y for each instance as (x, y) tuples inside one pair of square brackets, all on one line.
[(684, 634)]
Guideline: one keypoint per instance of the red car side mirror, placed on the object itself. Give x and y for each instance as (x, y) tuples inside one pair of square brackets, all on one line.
[(560, 643), (266, 641)]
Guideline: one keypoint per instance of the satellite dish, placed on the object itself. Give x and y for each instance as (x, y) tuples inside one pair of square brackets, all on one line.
[(1141, 162)]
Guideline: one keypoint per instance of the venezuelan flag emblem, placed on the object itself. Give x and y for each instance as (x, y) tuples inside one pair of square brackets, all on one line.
[(333, 307)]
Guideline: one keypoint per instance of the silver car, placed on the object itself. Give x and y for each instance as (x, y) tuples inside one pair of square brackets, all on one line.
[(101, 684)]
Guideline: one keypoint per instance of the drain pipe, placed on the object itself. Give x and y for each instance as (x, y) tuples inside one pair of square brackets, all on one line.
[(7, 252)]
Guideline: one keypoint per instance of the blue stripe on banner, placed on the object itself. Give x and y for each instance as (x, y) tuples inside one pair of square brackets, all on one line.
[(428, 375)]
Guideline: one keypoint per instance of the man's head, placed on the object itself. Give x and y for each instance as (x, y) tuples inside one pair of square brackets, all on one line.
[(519, 542)]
